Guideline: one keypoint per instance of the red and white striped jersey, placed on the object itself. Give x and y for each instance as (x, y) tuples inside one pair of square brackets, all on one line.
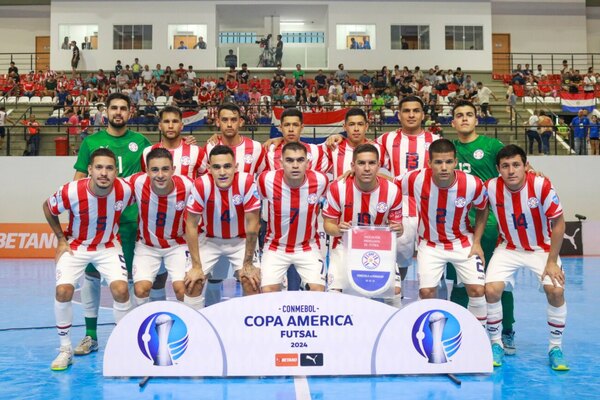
[(524, 216), (249, 156), (93, 220), (223, 210), (292, 220), (317, 158), (341, 157), (405, 153), (346, 202), (443, 212), (187, 159), (161, 221)]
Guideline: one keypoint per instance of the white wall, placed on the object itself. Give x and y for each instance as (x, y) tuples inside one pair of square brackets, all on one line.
[(593, 29), (19, 25)]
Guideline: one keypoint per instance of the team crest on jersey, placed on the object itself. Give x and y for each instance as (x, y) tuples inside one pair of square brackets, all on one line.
[(312, 198), (555, 199), (248, 159), (478, 154), (185, 160), (180, 205), (381, 207), (133, 146), (532, 202), (237, 199), (460, 202), (118, 205)]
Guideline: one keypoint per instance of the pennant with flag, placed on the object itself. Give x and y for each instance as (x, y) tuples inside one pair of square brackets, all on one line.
[(194, 119), (317, 126), (573, 102)]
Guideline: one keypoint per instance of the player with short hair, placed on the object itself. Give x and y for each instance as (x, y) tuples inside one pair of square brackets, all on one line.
[(128, 147), (293, 194), (161, 198), (532, 226), (363, 198), (96, 205), (445, 197), (229, 205)]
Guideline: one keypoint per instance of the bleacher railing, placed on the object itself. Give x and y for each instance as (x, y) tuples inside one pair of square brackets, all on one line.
[(552, 63)]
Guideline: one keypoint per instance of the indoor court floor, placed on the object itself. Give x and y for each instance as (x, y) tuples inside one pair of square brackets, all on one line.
[(29, 343)]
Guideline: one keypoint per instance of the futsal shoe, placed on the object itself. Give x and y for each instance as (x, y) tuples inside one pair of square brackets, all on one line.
[(86, 346), (508, 341), (63, 360), (557, 360), (497, 355)]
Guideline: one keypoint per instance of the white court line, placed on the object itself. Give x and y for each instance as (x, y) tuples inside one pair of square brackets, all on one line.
[(302, 389)]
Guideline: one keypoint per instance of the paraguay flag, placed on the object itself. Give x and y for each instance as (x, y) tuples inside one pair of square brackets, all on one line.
[(317, 126), (194, 119), (573, 102)]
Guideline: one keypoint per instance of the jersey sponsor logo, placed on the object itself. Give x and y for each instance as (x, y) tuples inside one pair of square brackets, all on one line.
[(163, 338), (185, 160), (533, 202), (312, 198), (133, 146), (460, 202), (180, 205), (437, 336), (118, 205), (478, 154), (381, 207), (248, 159), (238, 199), (371, 260)]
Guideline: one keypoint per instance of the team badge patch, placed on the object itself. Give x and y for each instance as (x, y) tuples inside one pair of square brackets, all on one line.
[(460, 202), (185, 160), (478, 154), (237, 199), (118, 205), (248, 159), (180, 205), (532, 202), (381, 207), (312, 198), (133, 146)]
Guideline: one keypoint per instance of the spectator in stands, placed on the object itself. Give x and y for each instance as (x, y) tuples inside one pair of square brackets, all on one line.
[(565, 68), (298, 72), (241, 97), (483, 98), (231, 59), (123, 80), (321, 80), (589, 82), (73, 128), (183, 98), (301, 88), (353, 44), (182, 46), (336, 90), (33, 136), (595, 135), (539, 72), (349, 96), (459, 76), (546, 128), (527, 71), (75, 57), (277, 83), (341, 74), (136, 69), (118, 68), (28, 87), (201, 45), (254, 95), (146, 74), (99, 118), (580, 126), (204, 97), (366, 44), (313, 99), (532, 132), (279, 50), (65, 44), (158, 72), (81, 104), (151, 115), (243, 75), (365, 79), (531, 87)]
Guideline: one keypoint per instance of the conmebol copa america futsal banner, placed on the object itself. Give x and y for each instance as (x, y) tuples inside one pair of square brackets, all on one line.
[(297, 333)]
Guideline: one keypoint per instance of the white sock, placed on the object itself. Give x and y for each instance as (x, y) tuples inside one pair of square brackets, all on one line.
[(557, 317), (63, 313), (90, 296), (478, 307), (494, 322), (213, 292), (197, 303), (395, 301), (140, 300), (158, 294), (120, 310)]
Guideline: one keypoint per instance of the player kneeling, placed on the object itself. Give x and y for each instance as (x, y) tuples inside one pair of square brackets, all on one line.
[(161, 198), (531, 222)]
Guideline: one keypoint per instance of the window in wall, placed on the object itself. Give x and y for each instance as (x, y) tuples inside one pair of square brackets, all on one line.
[(86, 36), (410, 37), (303, 37), (187, 37), (464, 37), (132, 37), (355, 37), (237, 37)]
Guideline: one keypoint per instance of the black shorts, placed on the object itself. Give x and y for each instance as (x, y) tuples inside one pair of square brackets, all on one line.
[(74, 63)]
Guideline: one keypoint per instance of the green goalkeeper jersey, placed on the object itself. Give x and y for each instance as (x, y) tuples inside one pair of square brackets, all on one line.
[(128, 149)]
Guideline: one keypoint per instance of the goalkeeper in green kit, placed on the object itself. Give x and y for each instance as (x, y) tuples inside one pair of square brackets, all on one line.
[(477, 155)]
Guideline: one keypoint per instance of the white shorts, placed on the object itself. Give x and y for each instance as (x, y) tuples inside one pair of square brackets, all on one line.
[(110, 263), (147, 262), (337, 273), (309, 264), (431, 264), (405, 244), (505, 263), (214, 251)]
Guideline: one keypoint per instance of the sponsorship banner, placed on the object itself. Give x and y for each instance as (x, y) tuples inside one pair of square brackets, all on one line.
[(297, 333), (27, 241), (371, 259), (572, 244)]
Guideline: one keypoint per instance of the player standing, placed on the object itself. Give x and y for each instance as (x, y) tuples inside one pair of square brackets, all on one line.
[(95, 206), (532, 226)]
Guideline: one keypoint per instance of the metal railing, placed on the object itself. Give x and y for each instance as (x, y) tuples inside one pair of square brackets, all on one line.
[(551, 62), (24, 61)]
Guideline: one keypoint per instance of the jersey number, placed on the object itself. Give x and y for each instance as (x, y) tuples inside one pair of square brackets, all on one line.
[(519, 221), (225, 217), (161, 219), (101, 224), (120, 159), (363, 218), (464, 167), (440, 216), (293, 214), (412, 161)]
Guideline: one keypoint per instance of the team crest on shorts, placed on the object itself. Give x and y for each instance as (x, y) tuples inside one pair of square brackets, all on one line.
[(532, 202), (248, 159), (460, 202), (381, 207), (185, 160), (478, 154), (180, 205), (312, 198), (118, 205), (237, 199), (371, 260), (133, 146)]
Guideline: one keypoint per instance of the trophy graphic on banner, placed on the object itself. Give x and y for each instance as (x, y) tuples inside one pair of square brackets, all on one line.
[(164, 323), (437, 322)]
